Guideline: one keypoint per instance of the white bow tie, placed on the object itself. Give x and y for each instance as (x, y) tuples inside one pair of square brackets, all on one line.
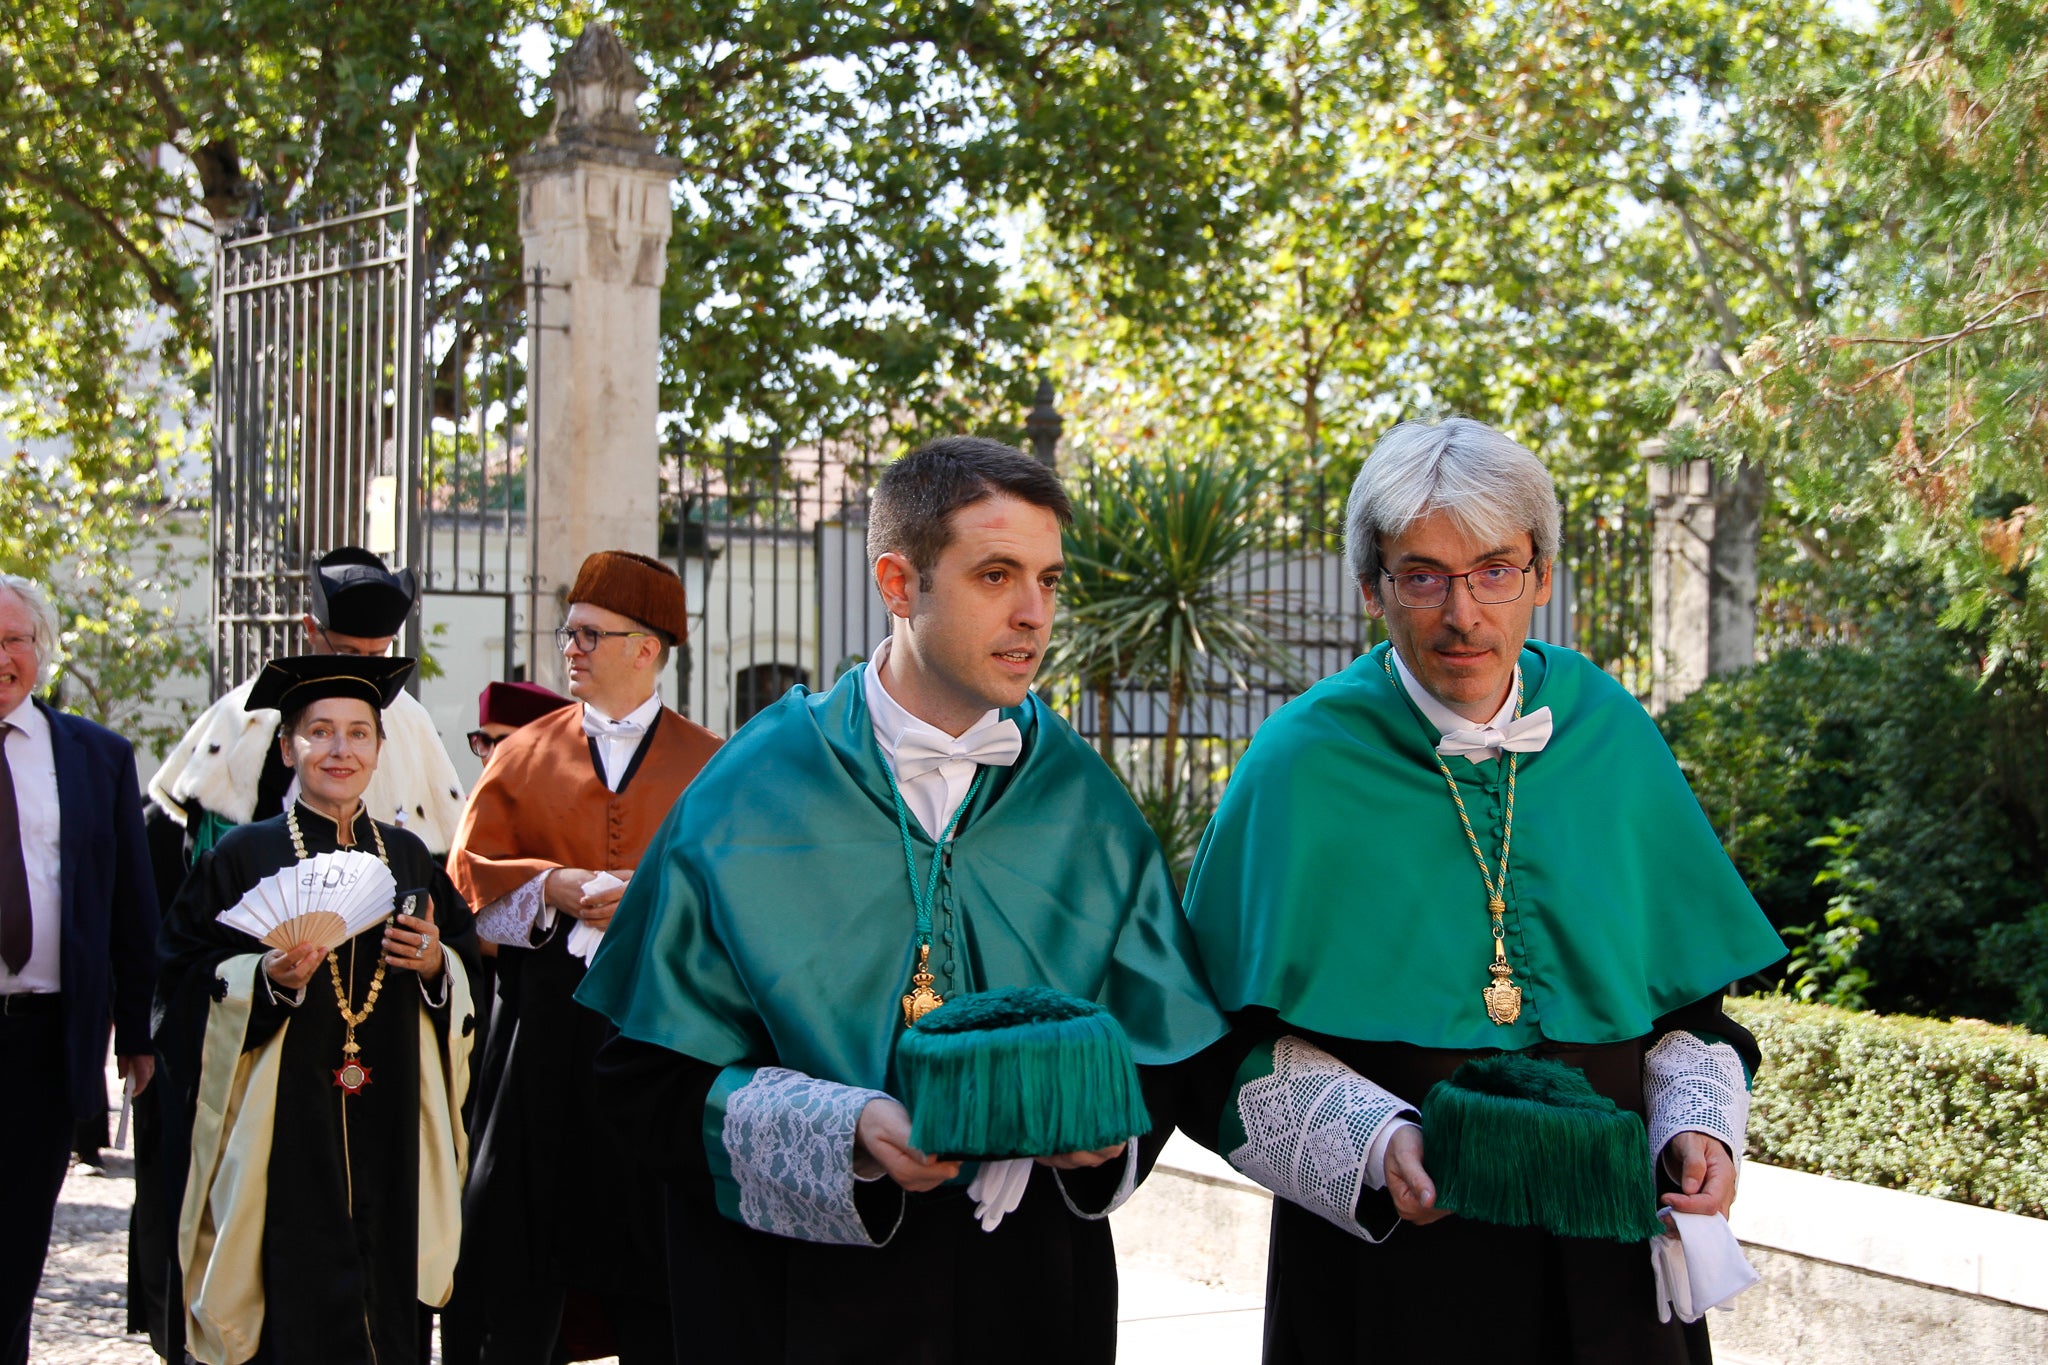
[(923, 751), (1524, 736), (597, 727)]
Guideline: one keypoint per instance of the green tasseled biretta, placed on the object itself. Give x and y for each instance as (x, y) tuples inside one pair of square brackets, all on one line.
[(1524, 1142), (1028, 1071)]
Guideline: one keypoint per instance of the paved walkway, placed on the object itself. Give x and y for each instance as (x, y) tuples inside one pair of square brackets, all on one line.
[(82, 1306)]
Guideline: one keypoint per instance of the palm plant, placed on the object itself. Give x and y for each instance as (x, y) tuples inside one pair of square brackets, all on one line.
[(1081, 653), (1149, 598)]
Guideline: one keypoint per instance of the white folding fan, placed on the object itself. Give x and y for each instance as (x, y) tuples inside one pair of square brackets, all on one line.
[(328, 899)]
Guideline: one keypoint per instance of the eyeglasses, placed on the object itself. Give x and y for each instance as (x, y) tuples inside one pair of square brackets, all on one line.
[(350, 651), (18, 644), (587, 637), (481, 744), (1490, 586)]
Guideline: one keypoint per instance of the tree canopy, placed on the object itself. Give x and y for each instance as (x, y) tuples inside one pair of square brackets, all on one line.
[(1912, 404), (839, 258)]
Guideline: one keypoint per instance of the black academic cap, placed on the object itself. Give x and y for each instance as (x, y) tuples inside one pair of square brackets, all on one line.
[(354, 594), (298, 680)]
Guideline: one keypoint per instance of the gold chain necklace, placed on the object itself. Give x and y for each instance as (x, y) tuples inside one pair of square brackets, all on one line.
[(351, 1076), (1502, 996)]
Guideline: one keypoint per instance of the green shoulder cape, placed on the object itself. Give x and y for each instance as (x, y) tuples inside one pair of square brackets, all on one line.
[(1335, 885), (772, 921)]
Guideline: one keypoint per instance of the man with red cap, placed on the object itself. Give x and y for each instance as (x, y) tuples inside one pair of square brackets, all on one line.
[(567, 805), (503, 707)]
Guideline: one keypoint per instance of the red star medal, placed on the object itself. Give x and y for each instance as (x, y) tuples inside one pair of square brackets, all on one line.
[(352, 1076)]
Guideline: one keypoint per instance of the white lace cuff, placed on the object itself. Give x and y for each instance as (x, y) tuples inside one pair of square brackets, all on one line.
[(782, 1154), (1116, 1201), (1691, 1085), (509, 919), (1309, 1125)]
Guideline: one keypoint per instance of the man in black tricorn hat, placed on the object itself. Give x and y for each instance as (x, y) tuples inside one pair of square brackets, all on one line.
[(226, 770)]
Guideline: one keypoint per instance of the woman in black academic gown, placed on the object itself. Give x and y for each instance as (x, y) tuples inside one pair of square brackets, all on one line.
[(345, 1251)]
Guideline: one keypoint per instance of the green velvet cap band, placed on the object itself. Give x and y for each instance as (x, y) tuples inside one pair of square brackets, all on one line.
[(1525, 1142), (1029, 1071)]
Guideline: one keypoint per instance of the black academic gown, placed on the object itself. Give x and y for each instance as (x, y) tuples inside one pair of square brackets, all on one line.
[(1041, 1287), (1332, 1299), (556, 1204), (552, 1201), (340, 1243)]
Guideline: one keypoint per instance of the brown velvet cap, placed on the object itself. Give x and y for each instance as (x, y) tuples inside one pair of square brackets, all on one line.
[(634, 585)]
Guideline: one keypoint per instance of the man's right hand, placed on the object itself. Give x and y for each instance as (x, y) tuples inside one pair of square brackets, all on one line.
[(882, 1136), (1413, 1191), (292, 969)]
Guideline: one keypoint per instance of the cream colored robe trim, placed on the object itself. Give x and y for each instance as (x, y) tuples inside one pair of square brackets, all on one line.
[(227, 1186), (444, 1148)]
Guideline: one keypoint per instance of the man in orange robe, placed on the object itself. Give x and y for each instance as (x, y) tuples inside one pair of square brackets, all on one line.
[(552, 1223)]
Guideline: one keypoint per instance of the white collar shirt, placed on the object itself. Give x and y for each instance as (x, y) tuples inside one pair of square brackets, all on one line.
[(618, 740), (1484, 739), (33, 764), (933, 795)]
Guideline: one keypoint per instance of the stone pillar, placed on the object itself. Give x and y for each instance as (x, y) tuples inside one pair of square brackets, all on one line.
[(1703, 545), (594, 218), (1043, 425)]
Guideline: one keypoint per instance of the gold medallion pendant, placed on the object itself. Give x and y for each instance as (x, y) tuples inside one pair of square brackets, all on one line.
[(1503, 997), (922, 999)]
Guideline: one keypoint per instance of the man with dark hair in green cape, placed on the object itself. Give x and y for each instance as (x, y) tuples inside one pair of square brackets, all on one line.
[(926, 828), (1466, 845)]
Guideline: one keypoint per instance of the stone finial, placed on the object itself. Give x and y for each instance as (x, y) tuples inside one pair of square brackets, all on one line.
[(595, 87)]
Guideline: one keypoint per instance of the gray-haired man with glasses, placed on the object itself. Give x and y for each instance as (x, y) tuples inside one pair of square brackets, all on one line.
[(1469, 844), (78, 921), (558, 823)]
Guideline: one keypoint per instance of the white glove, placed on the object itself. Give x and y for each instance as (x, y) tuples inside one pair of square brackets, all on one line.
[(997, 1189), (1698, 1265)]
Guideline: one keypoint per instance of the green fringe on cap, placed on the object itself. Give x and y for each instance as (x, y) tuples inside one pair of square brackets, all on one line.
[(1524, 1142), (1028, 1071)]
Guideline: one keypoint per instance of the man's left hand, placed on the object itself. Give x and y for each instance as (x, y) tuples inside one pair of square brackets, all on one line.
[(136, 1069), (1081, 1161), (596, 908), (1704, 1171)]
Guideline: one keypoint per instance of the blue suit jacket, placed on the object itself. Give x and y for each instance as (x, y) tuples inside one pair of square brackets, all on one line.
[(108, 958)]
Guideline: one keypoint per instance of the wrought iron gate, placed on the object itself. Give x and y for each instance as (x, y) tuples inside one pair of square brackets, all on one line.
[(479, 470), (316, 414), (348, 410)]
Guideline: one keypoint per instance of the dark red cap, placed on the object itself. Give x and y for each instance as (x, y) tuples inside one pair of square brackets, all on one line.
[(515, 703)]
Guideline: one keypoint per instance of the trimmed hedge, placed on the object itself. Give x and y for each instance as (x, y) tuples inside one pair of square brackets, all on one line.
[(1957, 1110)]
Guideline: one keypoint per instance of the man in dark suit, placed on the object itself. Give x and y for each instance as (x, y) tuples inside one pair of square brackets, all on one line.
[(78, 919)]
